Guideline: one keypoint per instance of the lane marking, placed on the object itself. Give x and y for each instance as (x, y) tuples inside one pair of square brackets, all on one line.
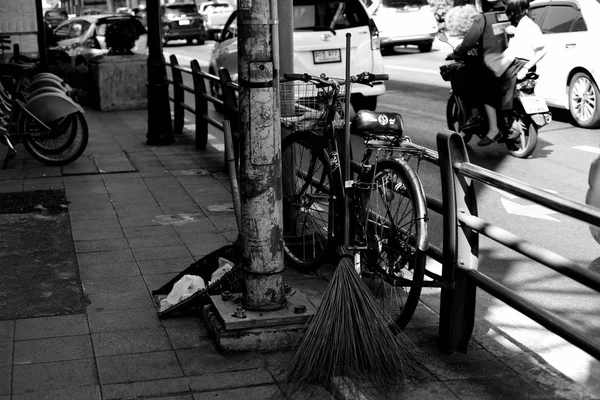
[(532, 211), (589, 149)]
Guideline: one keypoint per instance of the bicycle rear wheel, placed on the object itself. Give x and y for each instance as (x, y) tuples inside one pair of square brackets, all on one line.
[(396, 234), (66, 141), (312, 200)]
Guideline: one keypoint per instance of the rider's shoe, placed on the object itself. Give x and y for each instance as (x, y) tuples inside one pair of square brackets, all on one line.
[(486, 141), (473, 122)]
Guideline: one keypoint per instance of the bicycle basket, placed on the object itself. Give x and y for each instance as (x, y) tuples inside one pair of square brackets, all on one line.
[(304, 105)]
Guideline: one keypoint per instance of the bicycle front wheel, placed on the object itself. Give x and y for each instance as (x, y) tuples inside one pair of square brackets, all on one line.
[(66, 141), (312, 200), (396, 234)]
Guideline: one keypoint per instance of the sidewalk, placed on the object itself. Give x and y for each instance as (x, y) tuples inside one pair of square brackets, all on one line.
[(138, 216)]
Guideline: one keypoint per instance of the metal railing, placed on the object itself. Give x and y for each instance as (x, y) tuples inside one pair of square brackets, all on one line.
[(462, 228), (201, 98)]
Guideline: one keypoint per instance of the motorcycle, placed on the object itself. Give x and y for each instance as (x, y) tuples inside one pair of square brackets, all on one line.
[(530, 112)]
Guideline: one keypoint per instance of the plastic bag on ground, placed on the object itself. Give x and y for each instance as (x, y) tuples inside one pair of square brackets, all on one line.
[(184, 288)]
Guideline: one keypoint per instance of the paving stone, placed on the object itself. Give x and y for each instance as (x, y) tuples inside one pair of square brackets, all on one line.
[(75, 393), (87, 246), (6, 353), (104, 257), (122, 320), (107, 233), (152, 230), (154, 388), (164, 265), (138, 367), (120, 301), (251, 393), (45, 327), (153, 253), (131, 342), (7, 330), (54, 375), (230, 379), (154, 241), (5, 379), (199, 361), (120, 284), (109, 270), (52, 349), (189, 336)]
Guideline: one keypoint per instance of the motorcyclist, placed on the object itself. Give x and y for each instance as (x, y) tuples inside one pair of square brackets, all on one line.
[(486, 37)]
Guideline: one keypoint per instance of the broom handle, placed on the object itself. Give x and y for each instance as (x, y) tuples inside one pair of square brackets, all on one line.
[(347, 143), (235, 191)]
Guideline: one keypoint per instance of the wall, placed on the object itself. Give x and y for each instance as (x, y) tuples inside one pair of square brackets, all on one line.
[(18, 20)]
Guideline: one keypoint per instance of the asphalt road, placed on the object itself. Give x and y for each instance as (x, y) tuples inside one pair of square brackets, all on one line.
[(559, 165)]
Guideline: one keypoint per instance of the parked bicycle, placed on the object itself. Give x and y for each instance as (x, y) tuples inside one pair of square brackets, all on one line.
[(388, 210), (40, 114)]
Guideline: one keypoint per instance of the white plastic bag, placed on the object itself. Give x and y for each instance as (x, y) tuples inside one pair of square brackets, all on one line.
[(224, 267), (184, 288)]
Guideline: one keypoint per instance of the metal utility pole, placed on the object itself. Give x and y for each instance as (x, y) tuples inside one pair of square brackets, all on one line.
[(262, 240), (160, 129)]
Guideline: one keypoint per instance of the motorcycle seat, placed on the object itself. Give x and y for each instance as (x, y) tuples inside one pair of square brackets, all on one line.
[(385, 124)]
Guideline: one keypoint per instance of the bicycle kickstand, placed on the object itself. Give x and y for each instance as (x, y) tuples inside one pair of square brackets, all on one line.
[(11, 150)]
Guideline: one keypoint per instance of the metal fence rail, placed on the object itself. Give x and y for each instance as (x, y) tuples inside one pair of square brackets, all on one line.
[(461, 245)]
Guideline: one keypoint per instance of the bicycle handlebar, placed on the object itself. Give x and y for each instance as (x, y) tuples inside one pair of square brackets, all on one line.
[(364, 78)]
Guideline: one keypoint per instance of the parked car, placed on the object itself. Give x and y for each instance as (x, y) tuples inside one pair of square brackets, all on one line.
[(570, 71), (83, 38), (320, 28), (215, 15), (404, 22), (182, 21), (92, 11), (55, 16)]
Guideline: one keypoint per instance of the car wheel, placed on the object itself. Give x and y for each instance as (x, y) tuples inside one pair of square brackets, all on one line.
[(360, 102), (200, 40), (190, 41), (584, 101), (425, 47)]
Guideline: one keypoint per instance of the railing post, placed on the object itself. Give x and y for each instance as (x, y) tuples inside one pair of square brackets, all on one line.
[(201, 106), (230, 111), (178, 96), (460, 247)]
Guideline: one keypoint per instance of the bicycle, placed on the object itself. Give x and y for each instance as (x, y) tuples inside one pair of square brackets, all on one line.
[(40, 114), (388, 228)]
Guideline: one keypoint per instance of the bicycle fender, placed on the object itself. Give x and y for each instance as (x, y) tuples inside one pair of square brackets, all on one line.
[(420, 205), (50, 106), (46, 82)]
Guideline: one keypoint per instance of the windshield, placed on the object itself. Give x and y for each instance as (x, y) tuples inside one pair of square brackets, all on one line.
[(181, 9), (328, 15)]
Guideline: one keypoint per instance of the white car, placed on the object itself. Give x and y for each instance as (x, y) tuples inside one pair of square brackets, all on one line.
[(215, 14), (404, 22), (570, 71), (320, 28)]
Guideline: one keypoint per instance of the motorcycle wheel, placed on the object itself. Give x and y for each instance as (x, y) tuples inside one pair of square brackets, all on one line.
[(524, 145), (456, 117)]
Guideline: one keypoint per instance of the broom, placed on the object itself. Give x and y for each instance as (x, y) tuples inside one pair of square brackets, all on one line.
[(350, 338)]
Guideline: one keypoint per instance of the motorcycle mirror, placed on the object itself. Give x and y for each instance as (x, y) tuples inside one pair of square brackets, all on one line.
[(442, 37)]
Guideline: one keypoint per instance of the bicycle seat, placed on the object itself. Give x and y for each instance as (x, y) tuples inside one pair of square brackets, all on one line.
[(377, 123)]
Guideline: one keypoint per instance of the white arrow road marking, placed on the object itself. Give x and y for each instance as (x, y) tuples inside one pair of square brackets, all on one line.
[(512, 196), (589, 149), (532, 211)]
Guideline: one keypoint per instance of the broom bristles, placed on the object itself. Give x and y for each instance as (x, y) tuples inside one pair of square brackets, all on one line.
[(350, 337)]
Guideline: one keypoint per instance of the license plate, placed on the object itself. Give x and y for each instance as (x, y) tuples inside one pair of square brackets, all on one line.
[(327, 56), (184, 22), (533, 104)]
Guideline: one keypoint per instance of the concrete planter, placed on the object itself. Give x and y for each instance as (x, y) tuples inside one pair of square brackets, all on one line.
[(120, 82)]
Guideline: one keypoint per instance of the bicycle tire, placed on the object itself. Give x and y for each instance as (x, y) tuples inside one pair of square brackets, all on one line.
[(396, 234), (66, 143), (312, 201)]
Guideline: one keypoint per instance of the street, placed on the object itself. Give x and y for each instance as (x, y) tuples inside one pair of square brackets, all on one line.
[(559, 165)]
